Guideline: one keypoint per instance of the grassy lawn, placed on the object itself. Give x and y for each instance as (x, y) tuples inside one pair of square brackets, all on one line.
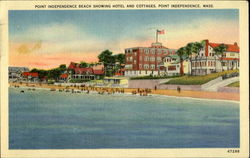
[(235, 84), (198, 80), (152, 77)]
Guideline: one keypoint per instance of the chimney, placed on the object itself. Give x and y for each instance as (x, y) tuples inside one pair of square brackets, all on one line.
[(235, 43)]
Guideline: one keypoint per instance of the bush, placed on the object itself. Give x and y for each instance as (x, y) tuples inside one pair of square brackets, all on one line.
[(198, 80)]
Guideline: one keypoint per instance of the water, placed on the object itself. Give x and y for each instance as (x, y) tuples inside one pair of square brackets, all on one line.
[(45, 119)]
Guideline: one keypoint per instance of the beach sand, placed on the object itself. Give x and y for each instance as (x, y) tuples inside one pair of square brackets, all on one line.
[(182, 93)]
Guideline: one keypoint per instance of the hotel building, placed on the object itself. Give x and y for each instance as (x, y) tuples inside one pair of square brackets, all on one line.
[(144, 61)]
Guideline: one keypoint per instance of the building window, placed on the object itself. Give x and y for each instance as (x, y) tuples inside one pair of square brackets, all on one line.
[(146, 66), (152, 66), (232, 54), (134, 61), (140, 66), (158, 58), (152, 51), (159, 51), (152, 58), (146, 51)]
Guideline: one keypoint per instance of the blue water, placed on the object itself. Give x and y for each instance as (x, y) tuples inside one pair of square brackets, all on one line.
[(44, 119)]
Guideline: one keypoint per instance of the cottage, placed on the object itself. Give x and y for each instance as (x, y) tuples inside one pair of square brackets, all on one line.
[(207, 61), (15, 73), (84, 73), (30, 76)]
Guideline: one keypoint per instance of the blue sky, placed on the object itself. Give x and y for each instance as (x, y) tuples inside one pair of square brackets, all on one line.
[(88, 32), (114, 24)]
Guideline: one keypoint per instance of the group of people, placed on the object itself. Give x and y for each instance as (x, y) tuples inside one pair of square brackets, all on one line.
[(142, 91)]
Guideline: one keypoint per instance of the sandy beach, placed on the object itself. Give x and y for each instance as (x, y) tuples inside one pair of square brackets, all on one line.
[(182, 93)]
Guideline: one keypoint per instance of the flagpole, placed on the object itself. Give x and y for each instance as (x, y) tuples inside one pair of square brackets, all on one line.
[(156, 36)]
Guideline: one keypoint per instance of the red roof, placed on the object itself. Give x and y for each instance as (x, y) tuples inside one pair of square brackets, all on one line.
[(230, 58), (83, 70), (72, 65), (98, 72), (32, 74), (230, 47), (64, 75)]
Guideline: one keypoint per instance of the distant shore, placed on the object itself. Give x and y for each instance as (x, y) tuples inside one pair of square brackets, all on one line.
[(182, 93)]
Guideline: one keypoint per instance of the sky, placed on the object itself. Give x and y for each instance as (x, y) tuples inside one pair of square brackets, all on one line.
[(47, 38)]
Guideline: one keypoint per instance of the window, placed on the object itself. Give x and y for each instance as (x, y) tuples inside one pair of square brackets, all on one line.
[(152, 51), (146, 58), (146, 66), (146, 51), (232, 54), (152, 66), (158, 58), (134, 61), (152, 58), (140, 66), (159, 51)]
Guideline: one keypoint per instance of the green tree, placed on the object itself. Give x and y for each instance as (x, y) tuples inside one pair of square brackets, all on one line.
[(181, 52), (108, 61), (197, 46), (189, 52), (84, 64), (219, 51), (63, 67), (120, 58)]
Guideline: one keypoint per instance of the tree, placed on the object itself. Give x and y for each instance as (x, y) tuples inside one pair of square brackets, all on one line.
[(83, 64), (219, 51), (108, 61), (120, 58), (197, 46), (189, 52), (181, 52)]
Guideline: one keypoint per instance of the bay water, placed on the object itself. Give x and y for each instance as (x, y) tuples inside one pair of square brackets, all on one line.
[(44, 119)]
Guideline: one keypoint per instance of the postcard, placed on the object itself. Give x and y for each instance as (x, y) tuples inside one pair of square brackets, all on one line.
[(124, 79)]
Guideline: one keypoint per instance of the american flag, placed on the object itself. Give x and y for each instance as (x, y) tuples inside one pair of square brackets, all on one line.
[(160, 32)]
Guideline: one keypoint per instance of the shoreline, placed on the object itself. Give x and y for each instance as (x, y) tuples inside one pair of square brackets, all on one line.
[(173, 93)]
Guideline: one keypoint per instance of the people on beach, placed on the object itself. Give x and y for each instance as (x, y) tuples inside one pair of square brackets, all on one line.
[(179, 89)]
